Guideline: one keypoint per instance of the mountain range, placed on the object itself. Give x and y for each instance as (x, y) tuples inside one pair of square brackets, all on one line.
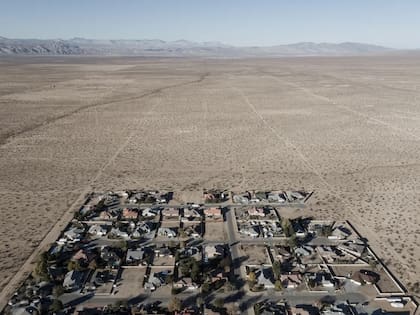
[(179, 48)]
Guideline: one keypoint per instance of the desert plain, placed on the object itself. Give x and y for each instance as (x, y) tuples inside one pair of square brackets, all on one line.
[(347, 128)]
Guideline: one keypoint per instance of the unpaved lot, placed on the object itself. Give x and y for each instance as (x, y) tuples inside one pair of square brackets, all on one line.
[(131, 283), (215, 231)]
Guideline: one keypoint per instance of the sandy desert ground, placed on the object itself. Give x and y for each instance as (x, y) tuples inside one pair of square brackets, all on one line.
[(347, 128)]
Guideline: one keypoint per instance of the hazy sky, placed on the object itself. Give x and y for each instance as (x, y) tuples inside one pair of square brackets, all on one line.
[(394, 23)]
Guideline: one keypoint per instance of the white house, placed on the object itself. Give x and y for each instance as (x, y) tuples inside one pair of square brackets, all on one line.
[(119, 233), (167, 232), (249, 231), (97, 230), (134, 255), (149, 213)]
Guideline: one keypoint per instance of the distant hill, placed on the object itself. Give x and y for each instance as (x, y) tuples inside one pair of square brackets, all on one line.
[(157, 47)]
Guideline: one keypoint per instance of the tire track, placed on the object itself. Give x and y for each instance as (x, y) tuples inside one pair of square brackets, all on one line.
[(9, 136)]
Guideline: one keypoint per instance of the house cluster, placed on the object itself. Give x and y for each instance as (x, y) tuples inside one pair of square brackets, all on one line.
[(323, 307), (267, 197), (262, 228), (260, 221), (331, 258), (118, 242)]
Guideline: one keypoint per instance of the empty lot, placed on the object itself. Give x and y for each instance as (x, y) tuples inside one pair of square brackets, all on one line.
[(347, 128)]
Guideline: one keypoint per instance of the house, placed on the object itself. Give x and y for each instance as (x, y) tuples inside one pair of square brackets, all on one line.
[(141, 229), (276, 197), (296, 310), (281, 253), (299, 230), (256, 212), (110, 257), (291, 281), (191, 252), (240, 199), (170, 213), (212, 251), (97, 230), (186, 283), (157, 279), (86, 209), (218, 277), (134, 256), (153, 282), (340, 309), (340, 233), (166, 232), (249, 231), (119, 233), (260, 196), (149, 213), (163, 252), (297, 195), (320, 278), (326, 281), (213, 213), (133, 199), (186, 311), (73, 280), (303, 251), (25, 310), (191, 214), (83, 255), (265, 278), (109, 215), (355, 248), (271, 308), (128, 213), (123, 194), (73, 234), (365, 276), (193, 231), (215, 196)]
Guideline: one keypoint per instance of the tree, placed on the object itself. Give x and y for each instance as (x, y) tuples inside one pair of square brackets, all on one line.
[(174, 305), (326, 230), (58, 290), (41, 269), (122, 245), (199, 302), (56, 306), (311, 283), (292, 242), (219, 302), (169, 279), (195, 271), (232, 309), (205, 288), (74, 265), (278, 285), (182, 234), (93, 264), (252, 277), (229, 287), (225, 263), (287, 227), (277, 269)]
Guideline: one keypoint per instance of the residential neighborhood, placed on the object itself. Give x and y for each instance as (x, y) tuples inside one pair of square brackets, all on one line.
[(136, 252)]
